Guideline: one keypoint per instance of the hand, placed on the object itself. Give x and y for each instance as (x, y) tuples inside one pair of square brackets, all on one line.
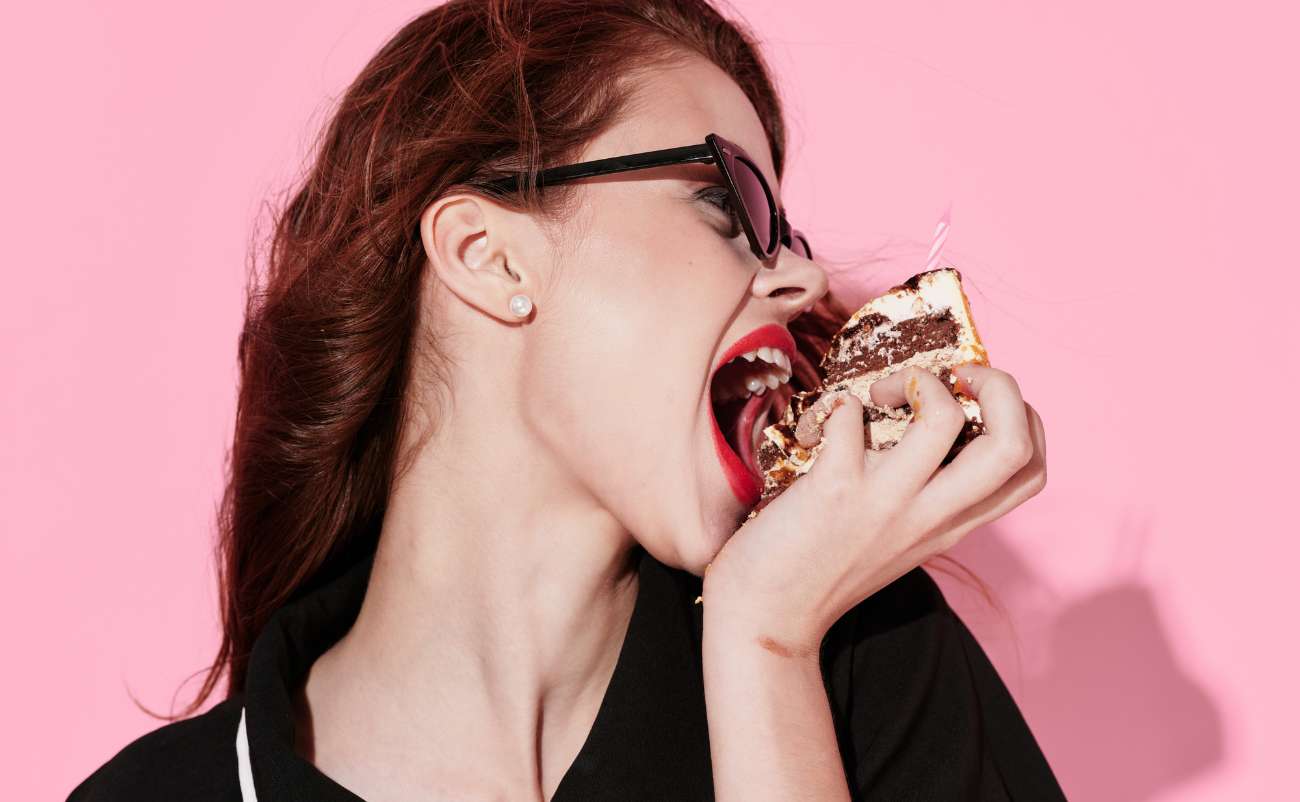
[(859, 519)]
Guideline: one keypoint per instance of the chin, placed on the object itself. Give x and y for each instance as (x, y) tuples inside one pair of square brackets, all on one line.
[(695, 561), (689, 548), (716, 530), (690, 545), (692, 542)]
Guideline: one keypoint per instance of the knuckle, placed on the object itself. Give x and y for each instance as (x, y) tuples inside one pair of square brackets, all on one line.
[(998, 374), (951, 417), (1007, 379), (1038, 481), (1015, 452), (945, 417), (940, 407), (838, 489)]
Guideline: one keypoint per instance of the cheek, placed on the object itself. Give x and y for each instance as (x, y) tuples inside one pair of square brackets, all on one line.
[(616, 379), (607, 362)]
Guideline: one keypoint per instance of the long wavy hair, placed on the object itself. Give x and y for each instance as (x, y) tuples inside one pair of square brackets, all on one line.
[(465, 92)]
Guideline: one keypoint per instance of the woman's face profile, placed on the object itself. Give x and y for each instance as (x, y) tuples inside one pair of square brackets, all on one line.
[(646, 286)]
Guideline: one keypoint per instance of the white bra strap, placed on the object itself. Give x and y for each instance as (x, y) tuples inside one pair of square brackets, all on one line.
[(246, 790)]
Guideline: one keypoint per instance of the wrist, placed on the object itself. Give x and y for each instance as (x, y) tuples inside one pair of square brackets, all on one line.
[(771, 730), (738, 628)]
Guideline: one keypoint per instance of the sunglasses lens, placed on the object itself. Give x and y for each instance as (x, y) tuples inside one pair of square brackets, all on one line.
[(799, 244), (758, 204)]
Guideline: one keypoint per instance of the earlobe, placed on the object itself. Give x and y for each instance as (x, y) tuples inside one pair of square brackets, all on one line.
[(521, 305), (465, 238)]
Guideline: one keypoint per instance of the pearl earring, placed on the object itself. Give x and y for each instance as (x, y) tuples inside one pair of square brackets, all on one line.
[(521, 305)]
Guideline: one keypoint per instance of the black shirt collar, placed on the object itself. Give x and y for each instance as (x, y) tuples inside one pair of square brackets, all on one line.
[(649, 739)]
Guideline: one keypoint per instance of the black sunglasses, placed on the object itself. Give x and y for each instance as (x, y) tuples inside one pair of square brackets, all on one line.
[(761, 216)]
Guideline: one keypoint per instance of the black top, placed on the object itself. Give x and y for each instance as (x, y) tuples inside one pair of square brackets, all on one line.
[(919, 711)]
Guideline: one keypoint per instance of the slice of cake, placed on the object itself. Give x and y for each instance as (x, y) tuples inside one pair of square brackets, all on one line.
[(924, 321)]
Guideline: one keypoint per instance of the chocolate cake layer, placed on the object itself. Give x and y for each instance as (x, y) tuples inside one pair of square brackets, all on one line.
[(875, 342)]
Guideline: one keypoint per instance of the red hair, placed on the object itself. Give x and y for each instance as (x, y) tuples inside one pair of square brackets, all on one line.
[(462, 93)]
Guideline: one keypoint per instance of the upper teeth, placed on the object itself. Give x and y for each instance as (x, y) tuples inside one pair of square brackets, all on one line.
[(773, 371)]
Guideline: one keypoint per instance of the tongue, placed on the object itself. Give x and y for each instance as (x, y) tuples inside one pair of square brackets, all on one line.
[(755, 408)]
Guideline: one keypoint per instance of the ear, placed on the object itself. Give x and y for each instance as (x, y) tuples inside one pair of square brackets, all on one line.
[(466, 239)]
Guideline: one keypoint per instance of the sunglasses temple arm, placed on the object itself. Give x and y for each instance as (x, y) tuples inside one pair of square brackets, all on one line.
[(618, 164)]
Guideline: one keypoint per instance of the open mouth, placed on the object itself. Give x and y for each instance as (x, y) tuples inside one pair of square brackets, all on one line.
[(749, 393), (750, 389)]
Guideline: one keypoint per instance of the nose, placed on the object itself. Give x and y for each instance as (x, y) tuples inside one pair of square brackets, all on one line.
[(791, 283)]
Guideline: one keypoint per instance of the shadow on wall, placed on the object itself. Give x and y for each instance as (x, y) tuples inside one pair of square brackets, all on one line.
[(1095, 676)]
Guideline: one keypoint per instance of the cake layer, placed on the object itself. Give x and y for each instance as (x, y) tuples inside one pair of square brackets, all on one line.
[(928, 312), (924, 321)]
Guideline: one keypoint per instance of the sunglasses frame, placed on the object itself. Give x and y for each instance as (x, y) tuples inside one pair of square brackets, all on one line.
[(715, 150)]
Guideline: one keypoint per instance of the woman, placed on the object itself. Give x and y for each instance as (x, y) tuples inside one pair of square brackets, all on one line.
[(478, 473)]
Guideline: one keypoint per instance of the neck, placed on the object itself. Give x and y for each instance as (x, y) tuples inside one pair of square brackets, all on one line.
[(495, 614)]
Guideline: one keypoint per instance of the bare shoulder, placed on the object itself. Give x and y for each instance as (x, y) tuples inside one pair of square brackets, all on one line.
[(192, 759)]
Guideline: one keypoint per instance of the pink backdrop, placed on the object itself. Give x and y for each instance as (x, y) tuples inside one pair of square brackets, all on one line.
[(1115, 169)]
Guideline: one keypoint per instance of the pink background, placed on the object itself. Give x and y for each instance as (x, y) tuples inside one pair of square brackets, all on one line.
[(1117, 171)]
